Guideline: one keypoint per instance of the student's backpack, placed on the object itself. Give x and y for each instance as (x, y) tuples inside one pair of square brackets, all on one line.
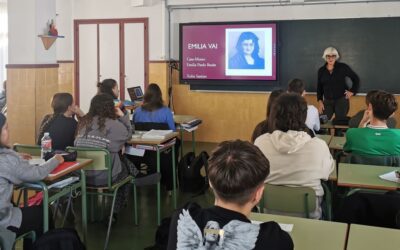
[(162, 235), (60, 239), (190, 179)]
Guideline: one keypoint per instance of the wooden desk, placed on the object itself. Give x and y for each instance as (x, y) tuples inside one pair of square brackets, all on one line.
[(333, 175), (329, 125), (365, 176), (326, 138), (47, 199), (373, 238), (159, 145), (82, 163), (179, 119), (337, 142), (308, 234)]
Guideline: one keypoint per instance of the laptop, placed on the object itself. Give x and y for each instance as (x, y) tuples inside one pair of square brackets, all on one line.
[(136, 94)]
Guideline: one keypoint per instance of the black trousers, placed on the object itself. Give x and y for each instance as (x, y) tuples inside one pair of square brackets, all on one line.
[(32, 220), (339, 107), (381, 210)]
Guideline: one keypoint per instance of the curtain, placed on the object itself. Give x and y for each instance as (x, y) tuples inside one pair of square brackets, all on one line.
[(3, 43)]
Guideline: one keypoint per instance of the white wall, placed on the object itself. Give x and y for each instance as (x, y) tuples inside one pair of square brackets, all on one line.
[(45, 11), (65, 26), (27, 20), (21, 33), (153, 9), (159, 25), (285, 12)]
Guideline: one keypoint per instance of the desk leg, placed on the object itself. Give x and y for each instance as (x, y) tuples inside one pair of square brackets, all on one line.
[(181, 133), (158, 190), (174, 175), (84, 206), (25, 197), (45, 209), (193, 143)]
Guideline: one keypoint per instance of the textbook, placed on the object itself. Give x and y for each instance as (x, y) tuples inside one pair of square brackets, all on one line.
[(192, 123), (156, 134), (64, 167)]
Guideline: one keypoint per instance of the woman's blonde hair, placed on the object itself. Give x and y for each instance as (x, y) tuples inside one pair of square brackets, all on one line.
[(330, 51)]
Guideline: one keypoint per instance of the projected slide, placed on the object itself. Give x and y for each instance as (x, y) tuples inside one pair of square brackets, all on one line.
[(228, 51)]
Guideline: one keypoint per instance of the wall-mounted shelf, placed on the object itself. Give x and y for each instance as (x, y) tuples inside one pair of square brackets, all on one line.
[(49, 40)]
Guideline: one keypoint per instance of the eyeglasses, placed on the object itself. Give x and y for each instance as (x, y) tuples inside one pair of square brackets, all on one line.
[(330, 56)]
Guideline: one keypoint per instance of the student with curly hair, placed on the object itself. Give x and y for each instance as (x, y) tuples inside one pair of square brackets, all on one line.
[(61, 125), (296, 158), (106, 126)]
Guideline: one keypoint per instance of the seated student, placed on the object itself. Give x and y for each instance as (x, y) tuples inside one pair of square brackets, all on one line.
[(237, 171), (312, 120), (61, 124), (154, 111), (15, 170), (375, 139), (296, 158), (262, 127), (106, 126), (361, 119), (108, 86)]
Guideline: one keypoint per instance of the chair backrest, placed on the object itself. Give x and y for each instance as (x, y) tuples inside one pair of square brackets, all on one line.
[(146, 126), (391, 161), (101, 157), (285, 199), (29, 149)]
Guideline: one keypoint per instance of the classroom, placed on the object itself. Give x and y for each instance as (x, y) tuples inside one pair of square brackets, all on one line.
[(119, 118)]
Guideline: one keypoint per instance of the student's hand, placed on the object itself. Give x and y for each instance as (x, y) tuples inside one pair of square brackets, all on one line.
[(321, 107), (59, 158), (77, 111), (119, 112), (365, 119), (25, 156), (348, 94)]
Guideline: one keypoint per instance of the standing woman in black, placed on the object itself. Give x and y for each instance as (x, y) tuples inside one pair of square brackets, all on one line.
[(332, 92)]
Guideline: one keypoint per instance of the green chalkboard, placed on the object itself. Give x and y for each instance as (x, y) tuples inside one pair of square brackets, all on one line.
[(370, 46)]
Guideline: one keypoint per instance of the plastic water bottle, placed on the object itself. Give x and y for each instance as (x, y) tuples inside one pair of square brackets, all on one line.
[(46, 144)]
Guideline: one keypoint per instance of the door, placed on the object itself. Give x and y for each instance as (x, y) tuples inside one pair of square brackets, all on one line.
[(109, 48)]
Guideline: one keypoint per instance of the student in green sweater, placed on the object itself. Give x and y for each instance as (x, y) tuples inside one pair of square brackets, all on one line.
[(376, 139)]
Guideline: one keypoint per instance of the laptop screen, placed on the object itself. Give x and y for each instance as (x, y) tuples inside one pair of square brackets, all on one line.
[(135, 93)]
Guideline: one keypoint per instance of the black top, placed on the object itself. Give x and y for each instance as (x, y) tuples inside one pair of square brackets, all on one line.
[(332, 86), (270, 235), (62, 131)]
